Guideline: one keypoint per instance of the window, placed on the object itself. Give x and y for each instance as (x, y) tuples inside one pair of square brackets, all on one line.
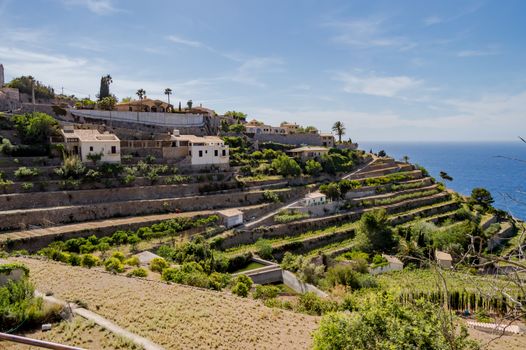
[(200, 153), (216, 153), (224, 152), (91, 148), (113, 149)]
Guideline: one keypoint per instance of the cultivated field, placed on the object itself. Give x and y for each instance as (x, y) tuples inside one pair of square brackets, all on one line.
[(175, 316)]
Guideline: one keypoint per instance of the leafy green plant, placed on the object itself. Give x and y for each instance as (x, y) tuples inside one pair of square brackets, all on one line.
[(25, 172), (158, 265), (138, 272), (114, 265)]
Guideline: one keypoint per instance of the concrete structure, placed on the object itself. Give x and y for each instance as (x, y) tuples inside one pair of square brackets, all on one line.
[(144, 105), (15, 274), (308, 152), (84, 142), (313, 199), (146, 257), (444, 259), (173, 120), (2, 79), (200, 150), (231, 217), (393, 264)]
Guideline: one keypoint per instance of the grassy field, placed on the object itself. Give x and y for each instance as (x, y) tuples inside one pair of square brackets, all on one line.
[(78, 332), (175, 316)]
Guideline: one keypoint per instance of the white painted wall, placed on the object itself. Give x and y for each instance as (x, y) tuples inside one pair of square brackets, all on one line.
[(104, 147), (233, 220), (204, 155)]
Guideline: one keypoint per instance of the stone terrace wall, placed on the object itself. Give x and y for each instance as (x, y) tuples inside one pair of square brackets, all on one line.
[(63, 198), (21, 219)]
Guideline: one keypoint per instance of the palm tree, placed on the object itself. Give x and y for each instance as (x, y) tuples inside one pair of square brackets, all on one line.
[(141, 93), (168, 92), (339, 129)]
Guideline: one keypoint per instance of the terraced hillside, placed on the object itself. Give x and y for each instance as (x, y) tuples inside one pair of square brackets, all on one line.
[(175, 316), (403, 191)]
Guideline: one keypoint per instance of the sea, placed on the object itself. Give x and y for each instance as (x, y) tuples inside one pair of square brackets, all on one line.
[(499, 167)]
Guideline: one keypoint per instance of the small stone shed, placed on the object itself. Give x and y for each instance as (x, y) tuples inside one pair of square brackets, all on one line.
[(231, 217), (444, 259)]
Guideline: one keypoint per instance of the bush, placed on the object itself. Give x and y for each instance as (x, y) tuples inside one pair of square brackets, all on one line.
[(382, 322), (242, 285), (312, 304), (25, 172), (74, 259), (158, 265), (133, 261), (313, 167), (266, 292), (118, 255), (240, 289), (27, 186), (114, 265), (88, 260), (272, 197), (264, 248), (286, 166), (138, 272)]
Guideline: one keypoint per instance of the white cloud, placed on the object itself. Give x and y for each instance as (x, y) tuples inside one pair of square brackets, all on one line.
[(388, 86), (477, 53), (99, 7), (432, 20), (250, 70), (366, 33), (182, 41)]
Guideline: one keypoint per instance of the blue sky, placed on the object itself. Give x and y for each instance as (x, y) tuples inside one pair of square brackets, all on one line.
[(390, 70)]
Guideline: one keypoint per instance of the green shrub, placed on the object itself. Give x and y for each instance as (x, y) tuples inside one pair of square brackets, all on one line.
[(240, 289), (312, 304), (138, 272), (272, 197), (241, 285), (118, 255), (25, 172), (89, 261), (276, 303), (114, 265), (264, 248), (266, 292), (74, 259), (158, 265), (27, 186), (133, 261)]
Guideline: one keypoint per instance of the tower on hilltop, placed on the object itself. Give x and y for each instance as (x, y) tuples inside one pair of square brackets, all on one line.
[(1, 75)]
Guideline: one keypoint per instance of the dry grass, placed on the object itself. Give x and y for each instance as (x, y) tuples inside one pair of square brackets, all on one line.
[(176, 316), (79, 332)]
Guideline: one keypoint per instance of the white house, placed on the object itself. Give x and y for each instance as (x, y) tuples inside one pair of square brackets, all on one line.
[(231, 217), (314, 198), (201, 150), (444, 259), (84, 142), (393, 264)]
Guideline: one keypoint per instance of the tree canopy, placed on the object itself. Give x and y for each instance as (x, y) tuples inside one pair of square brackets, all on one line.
[(23, 84), (482, 197), (374, 232), (286, 166), (236, 115)]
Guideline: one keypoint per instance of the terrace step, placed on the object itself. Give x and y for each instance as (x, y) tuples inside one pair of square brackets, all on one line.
[(33, 200), (429, 211), (394, 194), (21, 219)]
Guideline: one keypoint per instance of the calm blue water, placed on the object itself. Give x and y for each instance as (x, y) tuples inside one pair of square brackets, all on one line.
[(471, 165)]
